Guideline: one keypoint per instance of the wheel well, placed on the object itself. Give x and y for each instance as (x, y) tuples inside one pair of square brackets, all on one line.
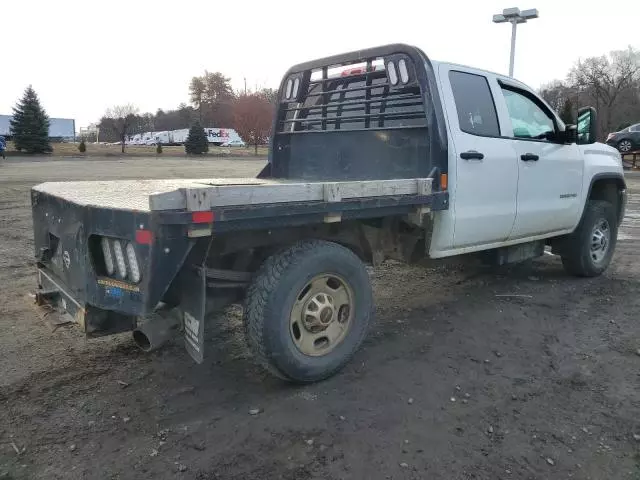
[(608, 190), (371, 241), (605, 189), (247, 250)]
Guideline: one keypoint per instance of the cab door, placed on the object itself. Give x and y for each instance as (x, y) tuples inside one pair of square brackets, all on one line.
[(549, 170), (485, 184)]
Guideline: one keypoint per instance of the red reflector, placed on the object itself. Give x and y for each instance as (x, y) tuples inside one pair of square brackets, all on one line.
[(144, 237), (202, 217)]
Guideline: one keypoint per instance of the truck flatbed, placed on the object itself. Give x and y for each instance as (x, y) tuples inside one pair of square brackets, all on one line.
[(206, 194), (131, 195)]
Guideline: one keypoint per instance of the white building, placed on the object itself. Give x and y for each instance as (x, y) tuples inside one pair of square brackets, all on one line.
[(59, 128)]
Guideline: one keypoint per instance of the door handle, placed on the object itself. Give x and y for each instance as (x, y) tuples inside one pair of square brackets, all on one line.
[(529, 157), (471, 155)]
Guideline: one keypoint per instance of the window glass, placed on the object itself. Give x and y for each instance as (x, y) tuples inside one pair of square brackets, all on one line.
[(474, 104), (584, 127), (635, 128), (527, 118)]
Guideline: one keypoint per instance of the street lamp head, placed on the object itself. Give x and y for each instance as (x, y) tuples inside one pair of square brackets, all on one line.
[(511, 13), (515, 15)]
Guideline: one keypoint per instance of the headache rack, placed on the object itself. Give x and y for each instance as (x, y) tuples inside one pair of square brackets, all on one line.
[(353, 98), (359, 116)]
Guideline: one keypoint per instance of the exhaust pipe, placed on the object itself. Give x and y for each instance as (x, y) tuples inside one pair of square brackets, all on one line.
[(157, 329)]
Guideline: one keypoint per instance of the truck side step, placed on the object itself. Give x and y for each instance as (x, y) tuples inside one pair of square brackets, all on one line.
[(514, 253)]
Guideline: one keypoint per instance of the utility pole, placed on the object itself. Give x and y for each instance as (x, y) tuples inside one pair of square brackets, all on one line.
[(514, 16)]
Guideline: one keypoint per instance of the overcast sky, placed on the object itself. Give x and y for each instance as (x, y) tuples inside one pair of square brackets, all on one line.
[(84, 56)]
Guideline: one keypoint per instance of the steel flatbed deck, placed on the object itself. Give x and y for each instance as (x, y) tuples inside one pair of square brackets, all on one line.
[(206, 194)]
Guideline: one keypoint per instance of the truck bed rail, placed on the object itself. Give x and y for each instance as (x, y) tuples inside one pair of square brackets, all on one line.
[(192, 198), (205, 194)]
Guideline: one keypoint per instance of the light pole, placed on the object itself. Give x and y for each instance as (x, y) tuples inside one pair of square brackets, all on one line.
[(514, 16)]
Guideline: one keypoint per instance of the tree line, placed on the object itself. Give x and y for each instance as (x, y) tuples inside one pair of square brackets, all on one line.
[(610, 83), (214, 103)]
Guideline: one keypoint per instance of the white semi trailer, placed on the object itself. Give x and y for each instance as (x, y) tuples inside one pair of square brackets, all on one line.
[(216, 136)]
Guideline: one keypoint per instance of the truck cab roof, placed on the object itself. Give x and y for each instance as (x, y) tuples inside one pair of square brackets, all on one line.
[(478, 71), (487, 73)]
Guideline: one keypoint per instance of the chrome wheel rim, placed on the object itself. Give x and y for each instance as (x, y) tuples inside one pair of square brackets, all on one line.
[(321, 315), (600, 240), (625, 146)]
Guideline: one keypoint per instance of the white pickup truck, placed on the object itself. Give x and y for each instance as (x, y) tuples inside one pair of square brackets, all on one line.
[(375, 154)]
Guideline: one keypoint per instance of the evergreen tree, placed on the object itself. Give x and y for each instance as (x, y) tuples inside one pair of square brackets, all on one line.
[(159, 148), (30, 124), (566, 114), (197, 142), (82, 148)]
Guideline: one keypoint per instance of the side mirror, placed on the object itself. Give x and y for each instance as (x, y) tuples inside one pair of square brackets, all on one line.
[(587, 128)]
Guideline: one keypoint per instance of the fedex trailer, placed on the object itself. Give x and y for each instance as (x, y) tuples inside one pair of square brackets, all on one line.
[(226, 137), (223, 137)]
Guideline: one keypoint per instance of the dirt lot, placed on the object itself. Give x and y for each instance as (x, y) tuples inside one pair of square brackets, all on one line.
[(454, 381)]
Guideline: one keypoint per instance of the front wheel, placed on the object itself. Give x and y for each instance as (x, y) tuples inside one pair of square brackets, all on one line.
[(625, 146), (587, 252), (308, 310)]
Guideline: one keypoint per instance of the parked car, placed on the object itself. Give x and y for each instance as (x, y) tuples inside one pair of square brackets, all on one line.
[(626, 140)]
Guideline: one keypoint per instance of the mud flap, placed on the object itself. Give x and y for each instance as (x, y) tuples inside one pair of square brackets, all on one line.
[(193, 305)]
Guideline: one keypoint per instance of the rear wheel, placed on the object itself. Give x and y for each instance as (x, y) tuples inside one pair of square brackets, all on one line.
[(625, 146), (587, 252), (308, 310)]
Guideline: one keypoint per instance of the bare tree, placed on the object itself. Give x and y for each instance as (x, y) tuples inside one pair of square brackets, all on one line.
[(197, 93), (212, 95), (557, 93), (252, 116), (122, 120), (271, 94), (605, 79)]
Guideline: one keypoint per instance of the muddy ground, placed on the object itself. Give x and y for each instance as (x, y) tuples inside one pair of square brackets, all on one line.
[(454, 382)]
